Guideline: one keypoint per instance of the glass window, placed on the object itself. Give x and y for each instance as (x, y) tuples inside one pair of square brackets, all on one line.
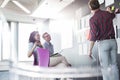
[(83, 35), (64, 29)]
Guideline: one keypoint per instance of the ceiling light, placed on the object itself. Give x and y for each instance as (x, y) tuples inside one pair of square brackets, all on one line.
[(21, 6), (4, 3)]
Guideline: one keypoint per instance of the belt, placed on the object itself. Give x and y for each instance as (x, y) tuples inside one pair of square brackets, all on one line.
[(109, 37)]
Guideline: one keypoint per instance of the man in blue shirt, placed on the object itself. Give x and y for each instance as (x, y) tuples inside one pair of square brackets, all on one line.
[(48, 45), (56, 58)]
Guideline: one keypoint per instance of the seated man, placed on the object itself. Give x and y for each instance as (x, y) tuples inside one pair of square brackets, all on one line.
[(56, 58)]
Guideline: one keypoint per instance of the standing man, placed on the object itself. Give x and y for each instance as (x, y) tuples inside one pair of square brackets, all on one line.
[(102, 31)]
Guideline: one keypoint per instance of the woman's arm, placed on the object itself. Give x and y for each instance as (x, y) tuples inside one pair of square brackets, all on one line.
[(30, 52), (31, 49)]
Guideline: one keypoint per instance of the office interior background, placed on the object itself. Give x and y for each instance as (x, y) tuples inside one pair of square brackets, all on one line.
[(67, 21)]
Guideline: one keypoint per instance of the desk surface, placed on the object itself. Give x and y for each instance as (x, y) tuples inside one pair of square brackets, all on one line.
[(52, 72)]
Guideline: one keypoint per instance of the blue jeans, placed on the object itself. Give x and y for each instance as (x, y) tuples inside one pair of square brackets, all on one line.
[(107, 56)]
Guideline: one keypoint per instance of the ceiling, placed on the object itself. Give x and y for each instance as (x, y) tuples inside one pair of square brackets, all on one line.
[(29, 4), (45, 8)]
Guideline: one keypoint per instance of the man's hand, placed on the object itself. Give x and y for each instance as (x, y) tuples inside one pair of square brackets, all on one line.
[(90, 54), (109, 9), (117, 10)]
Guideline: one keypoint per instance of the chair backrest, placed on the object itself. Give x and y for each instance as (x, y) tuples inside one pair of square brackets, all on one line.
[(43, 57)]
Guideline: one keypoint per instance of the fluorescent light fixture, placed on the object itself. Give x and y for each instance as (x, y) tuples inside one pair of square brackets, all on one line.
[(21, 6), (4, 3)]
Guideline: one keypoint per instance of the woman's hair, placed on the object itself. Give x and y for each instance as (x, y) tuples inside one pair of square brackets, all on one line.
[(94, 4), (32, 36)]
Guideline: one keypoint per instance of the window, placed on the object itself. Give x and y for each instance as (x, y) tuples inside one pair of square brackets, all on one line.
[(64, 30), (83, 35)]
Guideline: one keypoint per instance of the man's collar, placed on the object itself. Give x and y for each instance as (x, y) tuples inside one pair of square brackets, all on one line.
[(48, 42), (95, 11)]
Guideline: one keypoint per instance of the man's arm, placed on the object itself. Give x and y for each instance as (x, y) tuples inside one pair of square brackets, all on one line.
[(90, 48), (116, 11), (45, 46), (93, 32)]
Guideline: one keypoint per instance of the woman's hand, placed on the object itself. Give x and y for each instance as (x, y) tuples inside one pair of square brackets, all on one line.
[(37, 43)]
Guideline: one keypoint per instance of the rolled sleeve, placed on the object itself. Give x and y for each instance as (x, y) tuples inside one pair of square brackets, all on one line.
[(30, 46)]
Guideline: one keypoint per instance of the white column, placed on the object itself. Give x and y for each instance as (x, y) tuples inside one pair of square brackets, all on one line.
[(0, 38), (14, 42)]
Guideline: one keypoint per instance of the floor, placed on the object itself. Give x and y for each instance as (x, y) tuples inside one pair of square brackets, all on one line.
[(5, 75)]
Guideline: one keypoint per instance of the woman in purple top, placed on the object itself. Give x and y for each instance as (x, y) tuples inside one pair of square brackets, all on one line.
[(34, 43)]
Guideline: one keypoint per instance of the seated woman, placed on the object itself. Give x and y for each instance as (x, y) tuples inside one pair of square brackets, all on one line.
[(34, 43)]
